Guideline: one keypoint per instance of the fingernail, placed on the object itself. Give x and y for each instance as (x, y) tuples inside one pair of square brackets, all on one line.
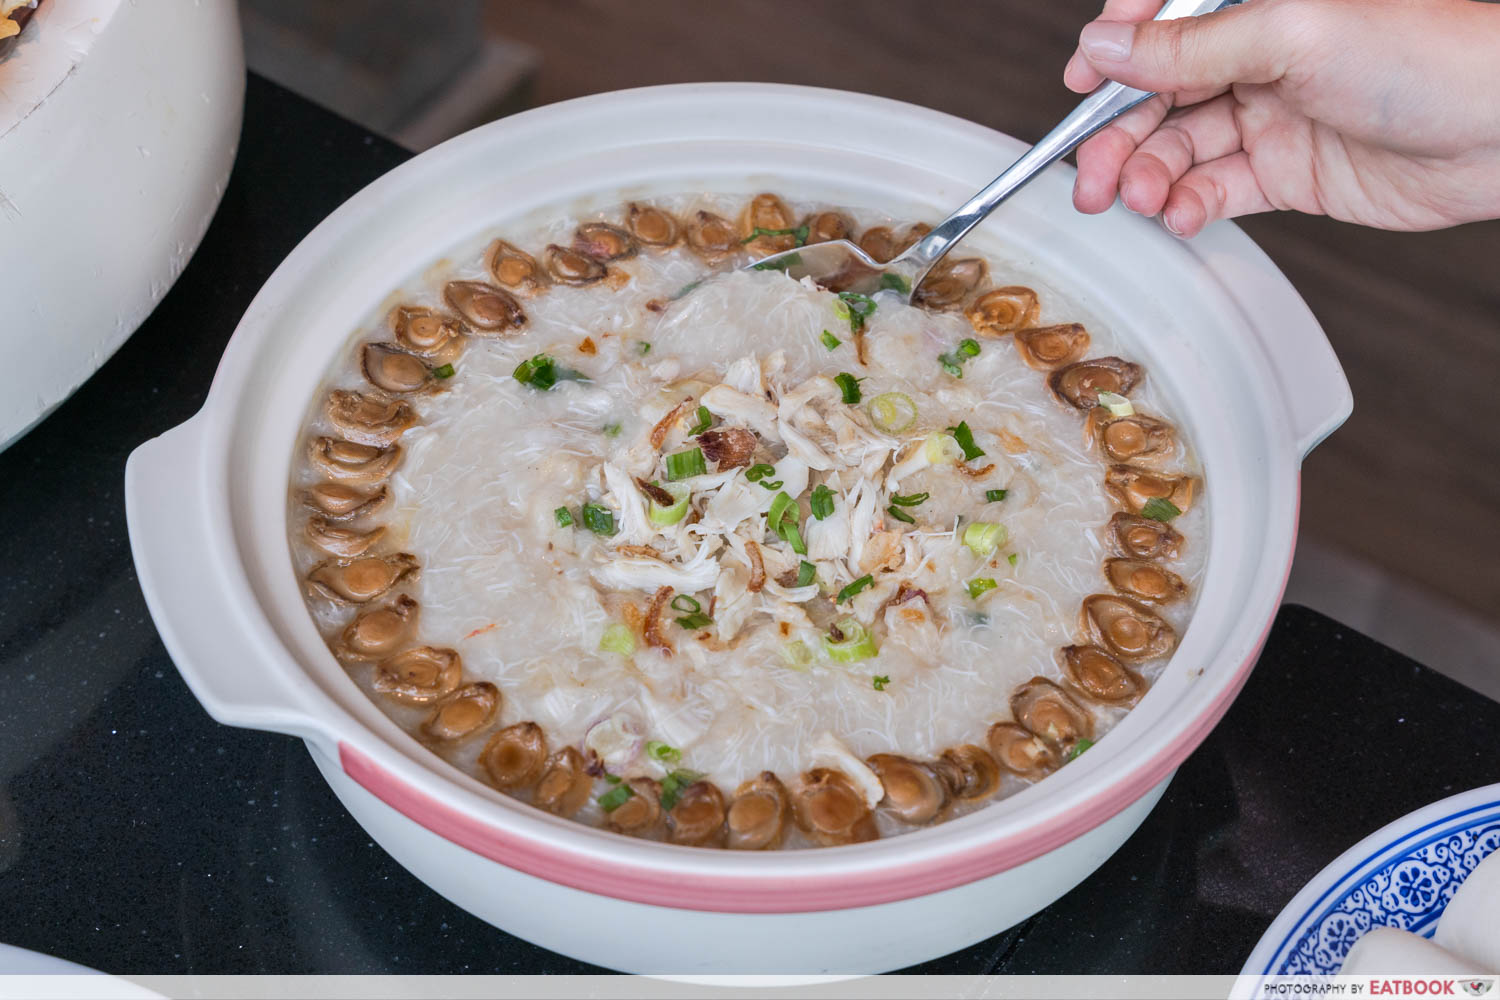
[(1106, 40), (1169, 226)]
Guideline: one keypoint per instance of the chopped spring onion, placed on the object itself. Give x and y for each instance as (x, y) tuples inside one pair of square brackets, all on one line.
[(900, 514), (965, 439), (781, 505), (615, 797), (705, 420), (979, 585), (1079, 748), (799, 234), (1012, 558), (611, 430), (782, 519), (942, 449), (758, 472), (984, 537), (911, 500), (861, 584), (643, 347), (821, 501), (1115, 403), (854, 307), (663, 752), (893, 412), (880, 681), (673, 784), (849, 386), (953, 362), (848, 641), (806, 573), (682, 602), (541, 372), (676, 511), (443, 371), (686, 464), (995, 496), (695, 620), (1160, 509), (564, 518), (892, 282), (598, 518), (618, 638), (830, 341), (796, 655)]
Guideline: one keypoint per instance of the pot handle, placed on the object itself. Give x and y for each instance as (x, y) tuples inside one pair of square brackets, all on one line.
[(206, 631), (1313, 387)]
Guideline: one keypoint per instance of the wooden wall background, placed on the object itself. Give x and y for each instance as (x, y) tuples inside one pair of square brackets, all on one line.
[(1411, 482)]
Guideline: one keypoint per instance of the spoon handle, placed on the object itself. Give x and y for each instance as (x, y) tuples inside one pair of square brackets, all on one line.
[(1104, 105)]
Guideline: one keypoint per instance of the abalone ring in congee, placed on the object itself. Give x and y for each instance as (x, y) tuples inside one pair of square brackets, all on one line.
[(766, 566)]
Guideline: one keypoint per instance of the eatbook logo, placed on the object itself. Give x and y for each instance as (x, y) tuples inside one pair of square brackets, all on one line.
[(1478, 987)]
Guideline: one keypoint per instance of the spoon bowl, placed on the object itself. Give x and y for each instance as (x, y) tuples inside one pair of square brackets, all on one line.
[(841, 266)]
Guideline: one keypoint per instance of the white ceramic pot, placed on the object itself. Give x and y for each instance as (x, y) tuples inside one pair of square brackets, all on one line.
[(118, 126), (1219, 329)]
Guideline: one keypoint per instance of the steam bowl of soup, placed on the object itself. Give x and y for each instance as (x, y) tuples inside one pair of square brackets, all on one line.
[(690, 619)]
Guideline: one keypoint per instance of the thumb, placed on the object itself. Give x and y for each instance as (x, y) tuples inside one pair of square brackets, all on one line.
[(1205, 53)]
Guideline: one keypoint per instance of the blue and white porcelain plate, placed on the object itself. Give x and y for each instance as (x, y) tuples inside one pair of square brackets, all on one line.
[(1401, 876)]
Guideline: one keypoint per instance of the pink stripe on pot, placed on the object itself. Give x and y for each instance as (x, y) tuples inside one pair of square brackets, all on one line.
[(754, 893)]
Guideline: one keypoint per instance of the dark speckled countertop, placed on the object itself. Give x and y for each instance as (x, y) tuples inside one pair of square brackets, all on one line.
[(139, 836)]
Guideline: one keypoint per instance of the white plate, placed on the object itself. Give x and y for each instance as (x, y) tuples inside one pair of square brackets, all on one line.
[(35, 976), (1401, 876)]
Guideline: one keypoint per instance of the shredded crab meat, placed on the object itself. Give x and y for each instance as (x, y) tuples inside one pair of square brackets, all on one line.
[(801, 446), (634, 573), (744, 375), (733, 602), (829, 538), (755, 412), (862, 519), (635, 528), (732, 504), (797, 401), (792, 595)]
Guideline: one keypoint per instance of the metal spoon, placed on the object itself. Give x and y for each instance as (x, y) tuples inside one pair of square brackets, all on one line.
[(842, 266)]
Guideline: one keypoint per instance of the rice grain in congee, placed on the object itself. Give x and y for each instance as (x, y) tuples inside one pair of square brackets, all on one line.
[(760, 565)]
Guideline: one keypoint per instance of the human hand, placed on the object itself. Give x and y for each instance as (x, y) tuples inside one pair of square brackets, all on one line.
[(1380, 112)]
